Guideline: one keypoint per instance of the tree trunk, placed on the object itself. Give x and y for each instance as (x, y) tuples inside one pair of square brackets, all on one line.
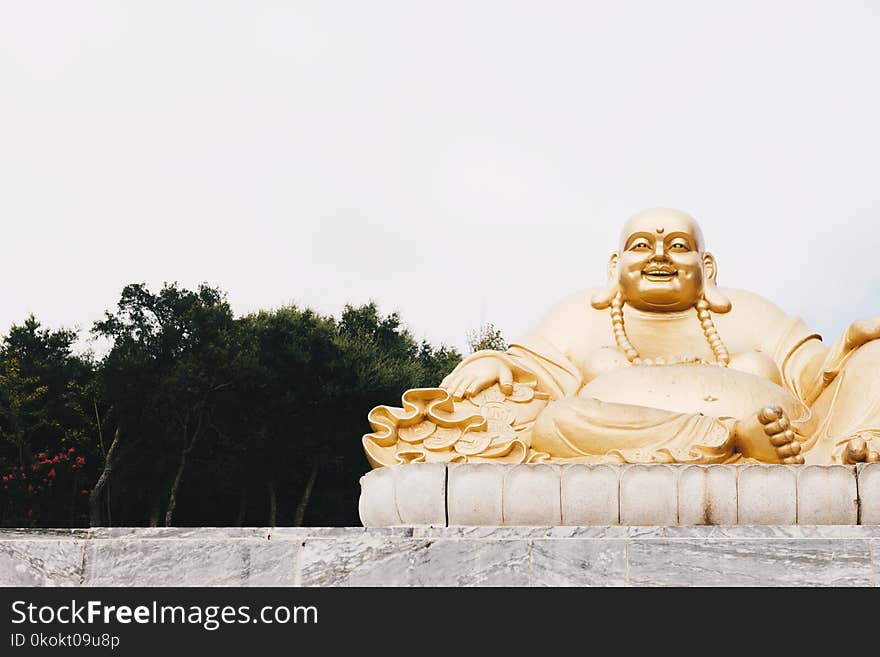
[(73, 495), (107, 498), (307, 494), (242, 507), (188, 444), (273, 504), (154, 512), (103, 481), (175, 486)]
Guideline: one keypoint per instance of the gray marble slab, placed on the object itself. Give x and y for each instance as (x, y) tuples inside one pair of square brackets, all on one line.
[(356, 561), (579, 562), (654, 531), (713, 562), (198, 533), (301, 533), (41, 562), (165, 562), (43, 534), (269, 563), (616, 555), (472, 563)]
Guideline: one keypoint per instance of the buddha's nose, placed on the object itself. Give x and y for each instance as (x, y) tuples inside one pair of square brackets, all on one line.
[(659, 251)]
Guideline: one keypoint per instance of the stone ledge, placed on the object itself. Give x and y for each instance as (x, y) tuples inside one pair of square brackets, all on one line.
[(616, 555), (581, 494)]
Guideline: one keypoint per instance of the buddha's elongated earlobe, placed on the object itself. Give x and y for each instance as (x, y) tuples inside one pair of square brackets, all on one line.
[(603, 299), (718, 302)]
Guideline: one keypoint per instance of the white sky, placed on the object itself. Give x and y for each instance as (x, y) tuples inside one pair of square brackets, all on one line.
[(457, 161)]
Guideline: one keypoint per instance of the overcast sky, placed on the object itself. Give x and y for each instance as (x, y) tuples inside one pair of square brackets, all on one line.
[(460, 162)]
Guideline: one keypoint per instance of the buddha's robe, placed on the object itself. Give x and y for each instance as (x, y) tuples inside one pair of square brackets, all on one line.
[(589, 404)]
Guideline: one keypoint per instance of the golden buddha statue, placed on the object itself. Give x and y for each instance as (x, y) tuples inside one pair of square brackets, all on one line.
[(659, 366)]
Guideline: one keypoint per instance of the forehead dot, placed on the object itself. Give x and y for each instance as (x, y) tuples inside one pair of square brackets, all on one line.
[(660, 230)]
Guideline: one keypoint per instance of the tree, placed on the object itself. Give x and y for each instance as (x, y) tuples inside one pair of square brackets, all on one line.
[(313, 380), (47, 429), (174, 357), (486, 337), (196, 417)]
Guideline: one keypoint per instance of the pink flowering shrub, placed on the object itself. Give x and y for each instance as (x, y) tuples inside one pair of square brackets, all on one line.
[(48, 492)]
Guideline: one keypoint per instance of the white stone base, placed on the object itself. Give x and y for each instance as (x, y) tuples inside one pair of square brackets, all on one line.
[(445, 556), (583, 495)]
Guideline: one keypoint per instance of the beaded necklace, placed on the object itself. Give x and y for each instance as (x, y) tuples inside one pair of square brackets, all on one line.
[(722, 356)]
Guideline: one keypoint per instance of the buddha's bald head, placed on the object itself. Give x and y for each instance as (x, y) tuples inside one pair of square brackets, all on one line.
[(662, 265), (662, 221)]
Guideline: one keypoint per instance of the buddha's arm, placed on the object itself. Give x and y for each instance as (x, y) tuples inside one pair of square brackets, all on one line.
[(533, 361), (553, 372), (807, 365), (545, 358), (820, 365), (810, 366)]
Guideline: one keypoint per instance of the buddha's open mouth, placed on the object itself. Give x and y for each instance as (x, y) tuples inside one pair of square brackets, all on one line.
[(659, 274)]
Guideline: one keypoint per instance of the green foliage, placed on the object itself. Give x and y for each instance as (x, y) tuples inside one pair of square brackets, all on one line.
[(196, 417), (486, 337), (46, 412)]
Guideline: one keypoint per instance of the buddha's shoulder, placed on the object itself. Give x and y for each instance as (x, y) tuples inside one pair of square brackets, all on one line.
[(577, 305), (571, 320), (747, 303)]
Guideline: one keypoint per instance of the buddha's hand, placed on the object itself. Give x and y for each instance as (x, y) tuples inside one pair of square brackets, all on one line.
[(862, 332), (478, 375)]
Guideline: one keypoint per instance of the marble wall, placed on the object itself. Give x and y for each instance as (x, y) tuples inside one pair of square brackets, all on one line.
[(613, 555)]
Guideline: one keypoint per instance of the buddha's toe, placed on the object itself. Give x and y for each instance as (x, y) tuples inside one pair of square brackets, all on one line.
[(770, 414), (789, 449), (858, 450), (777, 427), (782, 438)]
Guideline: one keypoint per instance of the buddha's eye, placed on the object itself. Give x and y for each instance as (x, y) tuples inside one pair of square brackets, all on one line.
[(679, 246), (640, 245)]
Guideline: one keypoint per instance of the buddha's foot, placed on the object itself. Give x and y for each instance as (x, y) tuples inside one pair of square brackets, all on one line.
[(767, 436), (778, 430), (857, 451)]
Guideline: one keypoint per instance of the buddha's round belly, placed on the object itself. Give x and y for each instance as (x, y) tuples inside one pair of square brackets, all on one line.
[(708, 389)]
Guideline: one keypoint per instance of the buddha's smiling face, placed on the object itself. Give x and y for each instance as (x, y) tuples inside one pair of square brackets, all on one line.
[(660, 267)]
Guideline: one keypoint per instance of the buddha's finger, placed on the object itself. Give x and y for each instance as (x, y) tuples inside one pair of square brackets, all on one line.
[(451, 382), (454, 386), (794, 460), (459, 384), (477, 385), (505, 380), (460, 389)]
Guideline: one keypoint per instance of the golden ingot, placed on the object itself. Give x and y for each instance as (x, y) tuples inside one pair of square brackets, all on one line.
[(521, 393), (442, 438), (497, 412), (418, 432), (473, 442), (488, 396)]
